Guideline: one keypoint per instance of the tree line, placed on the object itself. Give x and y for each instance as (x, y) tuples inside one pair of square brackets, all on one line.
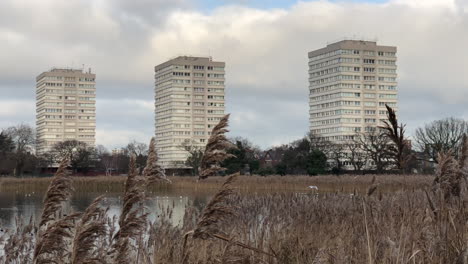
[(381, 149)]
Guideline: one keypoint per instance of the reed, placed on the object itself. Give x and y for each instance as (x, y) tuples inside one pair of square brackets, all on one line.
[(250, 184), (215, 150), (411, 226), (153, 172)]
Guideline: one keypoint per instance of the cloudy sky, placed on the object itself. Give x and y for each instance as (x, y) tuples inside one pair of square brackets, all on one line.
[(263, 42)]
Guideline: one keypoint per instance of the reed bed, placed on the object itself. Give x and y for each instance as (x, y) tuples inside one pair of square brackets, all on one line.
[(402, 227), (325, 183)]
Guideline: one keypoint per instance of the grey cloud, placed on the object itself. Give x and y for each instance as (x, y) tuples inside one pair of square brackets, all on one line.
[(265, 52)]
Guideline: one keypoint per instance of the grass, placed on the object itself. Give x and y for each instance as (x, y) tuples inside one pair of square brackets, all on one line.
[(325, 183)]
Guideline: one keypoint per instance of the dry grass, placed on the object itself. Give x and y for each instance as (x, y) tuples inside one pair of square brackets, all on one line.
[(216, 150), (411, 226), (325, 183)]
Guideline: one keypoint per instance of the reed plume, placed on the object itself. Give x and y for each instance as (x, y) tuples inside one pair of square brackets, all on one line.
[(217, 211), (132, 219), (448, 175), (372, 187), (59, 191), (91, 228), (216, 150), (400, 149), (153, 171), (54, 244), (19, 247)]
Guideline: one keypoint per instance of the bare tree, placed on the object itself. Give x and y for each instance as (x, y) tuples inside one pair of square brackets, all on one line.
[(400, 150), (440, 136), (355, 154), (23, 137), (337, 155), (80, 155), (376, 145)]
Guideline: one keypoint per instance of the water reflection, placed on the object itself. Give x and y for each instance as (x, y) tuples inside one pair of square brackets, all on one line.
[(23, 206)]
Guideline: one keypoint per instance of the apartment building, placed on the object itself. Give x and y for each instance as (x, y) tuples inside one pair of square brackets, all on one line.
[(350, 82), (189, 102), (65, 107)]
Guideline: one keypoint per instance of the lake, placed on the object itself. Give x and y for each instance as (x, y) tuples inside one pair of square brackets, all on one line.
[(17, 205)]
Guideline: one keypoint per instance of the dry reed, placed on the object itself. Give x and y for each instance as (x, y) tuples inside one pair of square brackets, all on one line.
[(215, 150), (153, 171), (59, 191)]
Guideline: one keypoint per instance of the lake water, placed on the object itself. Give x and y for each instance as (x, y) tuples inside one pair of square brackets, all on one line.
[(23, 206)]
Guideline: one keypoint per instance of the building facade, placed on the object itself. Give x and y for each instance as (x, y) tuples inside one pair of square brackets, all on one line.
[(350, 82), (189, 102), (65, 107)]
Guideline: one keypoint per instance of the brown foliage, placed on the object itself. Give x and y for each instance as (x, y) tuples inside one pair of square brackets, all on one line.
[(216, 150), (153, 171), (59, 191)]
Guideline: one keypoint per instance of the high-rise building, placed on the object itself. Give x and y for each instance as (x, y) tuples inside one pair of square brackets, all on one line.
[(65, 107), (189, 102), (350, 83)]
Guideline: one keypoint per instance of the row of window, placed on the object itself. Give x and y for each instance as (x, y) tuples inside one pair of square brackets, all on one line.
[(349, 61), (351, 69), (347, 112), (353, 52), (350, 103)]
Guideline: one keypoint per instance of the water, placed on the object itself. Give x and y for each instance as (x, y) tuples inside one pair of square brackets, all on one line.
[(23, 206)]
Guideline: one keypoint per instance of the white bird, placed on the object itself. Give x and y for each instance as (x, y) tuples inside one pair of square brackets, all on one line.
[(313, 187)]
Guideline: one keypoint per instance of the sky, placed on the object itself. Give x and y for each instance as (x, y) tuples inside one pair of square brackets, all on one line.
[(263, 42)]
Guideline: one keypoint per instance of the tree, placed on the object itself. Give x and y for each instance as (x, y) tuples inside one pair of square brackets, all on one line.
[(400, 150), (7, 163), (195, 155), (376, 145), (106, 159), (355, 154), (6, 144), (440, 136), (81, 156), (304, 157), (140, 150), (245, 156), (23, 138), (336, 154), (317, 163)]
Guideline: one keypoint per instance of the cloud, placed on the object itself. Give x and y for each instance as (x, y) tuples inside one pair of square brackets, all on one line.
[(265, 53), (13, 112)]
